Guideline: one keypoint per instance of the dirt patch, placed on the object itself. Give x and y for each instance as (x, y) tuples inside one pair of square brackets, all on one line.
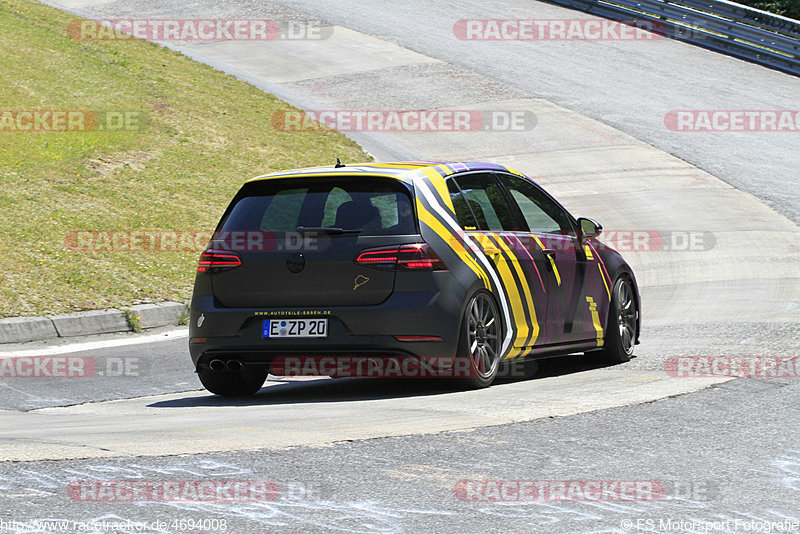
[(108, 164)]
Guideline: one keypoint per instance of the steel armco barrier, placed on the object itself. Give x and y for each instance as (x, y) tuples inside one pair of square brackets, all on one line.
[(727, 27)]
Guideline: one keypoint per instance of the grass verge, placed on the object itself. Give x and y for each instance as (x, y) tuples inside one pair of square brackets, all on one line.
[(192, 136)]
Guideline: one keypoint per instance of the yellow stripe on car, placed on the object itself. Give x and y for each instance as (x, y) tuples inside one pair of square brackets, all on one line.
[(438, 183), (603, 277), (523, 280), (511, 287), (595, 320), (427, 217)]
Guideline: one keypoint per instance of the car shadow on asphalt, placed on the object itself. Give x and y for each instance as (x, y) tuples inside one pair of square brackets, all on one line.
[(278, 390)]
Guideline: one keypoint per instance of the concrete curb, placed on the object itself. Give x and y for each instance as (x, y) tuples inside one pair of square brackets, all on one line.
[(24, 329), (161, 314)]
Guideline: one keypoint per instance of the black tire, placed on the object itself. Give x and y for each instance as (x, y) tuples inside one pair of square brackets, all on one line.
[(480, 341), (232, 383), (621, 324)]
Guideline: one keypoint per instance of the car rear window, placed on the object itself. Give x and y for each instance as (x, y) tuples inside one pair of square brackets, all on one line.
[(372, 205)]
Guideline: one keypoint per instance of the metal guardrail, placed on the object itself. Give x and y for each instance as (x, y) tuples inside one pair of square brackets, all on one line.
[(748, 15), (727, 27)]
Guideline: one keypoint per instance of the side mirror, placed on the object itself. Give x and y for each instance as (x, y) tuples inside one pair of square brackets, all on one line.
[(589, 228)]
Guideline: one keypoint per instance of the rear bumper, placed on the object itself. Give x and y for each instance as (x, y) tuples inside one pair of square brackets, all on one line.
[(235, 333)]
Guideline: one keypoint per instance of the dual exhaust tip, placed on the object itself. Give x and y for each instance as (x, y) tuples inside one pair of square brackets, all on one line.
[(221, 365)]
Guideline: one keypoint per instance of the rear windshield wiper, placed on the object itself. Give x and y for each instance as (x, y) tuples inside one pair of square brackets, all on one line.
[(328, 230)]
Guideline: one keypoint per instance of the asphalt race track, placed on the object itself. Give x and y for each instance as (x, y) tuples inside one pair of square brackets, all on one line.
[(718, 272)]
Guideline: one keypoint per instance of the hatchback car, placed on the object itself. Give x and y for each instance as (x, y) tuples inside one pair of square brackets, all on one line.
[(468, 263)]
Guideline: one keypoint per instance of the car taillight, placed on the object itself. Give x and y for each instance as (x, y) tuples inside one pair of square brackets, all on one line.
[(414, 257), (214, 259)]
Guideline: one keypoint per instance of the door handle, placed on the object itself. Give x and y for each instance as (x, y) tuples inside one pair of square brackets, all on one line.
[(550, 253), (491, 251)]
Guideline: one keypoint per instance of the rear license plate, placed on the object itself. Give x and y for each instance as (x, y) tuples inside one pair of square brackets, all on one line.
[(295, 328)]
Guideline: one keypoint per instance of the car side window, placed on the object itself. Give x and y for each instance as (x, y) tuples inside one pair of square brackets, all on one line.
[(485, 202), (540, 213), (464, 216)]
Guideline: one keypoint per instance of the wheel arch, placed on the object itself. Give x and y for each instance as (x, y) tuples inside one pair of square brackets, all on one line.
[(473, 290)]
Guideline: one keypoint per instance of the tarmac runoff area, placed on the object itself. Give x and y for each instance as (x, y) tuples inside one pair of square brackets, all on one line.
[(715, 257)]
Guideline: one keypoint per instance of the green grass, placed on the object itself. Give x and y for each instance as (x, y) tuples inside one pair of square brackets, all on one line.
[(787, 8), (205, 133)]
